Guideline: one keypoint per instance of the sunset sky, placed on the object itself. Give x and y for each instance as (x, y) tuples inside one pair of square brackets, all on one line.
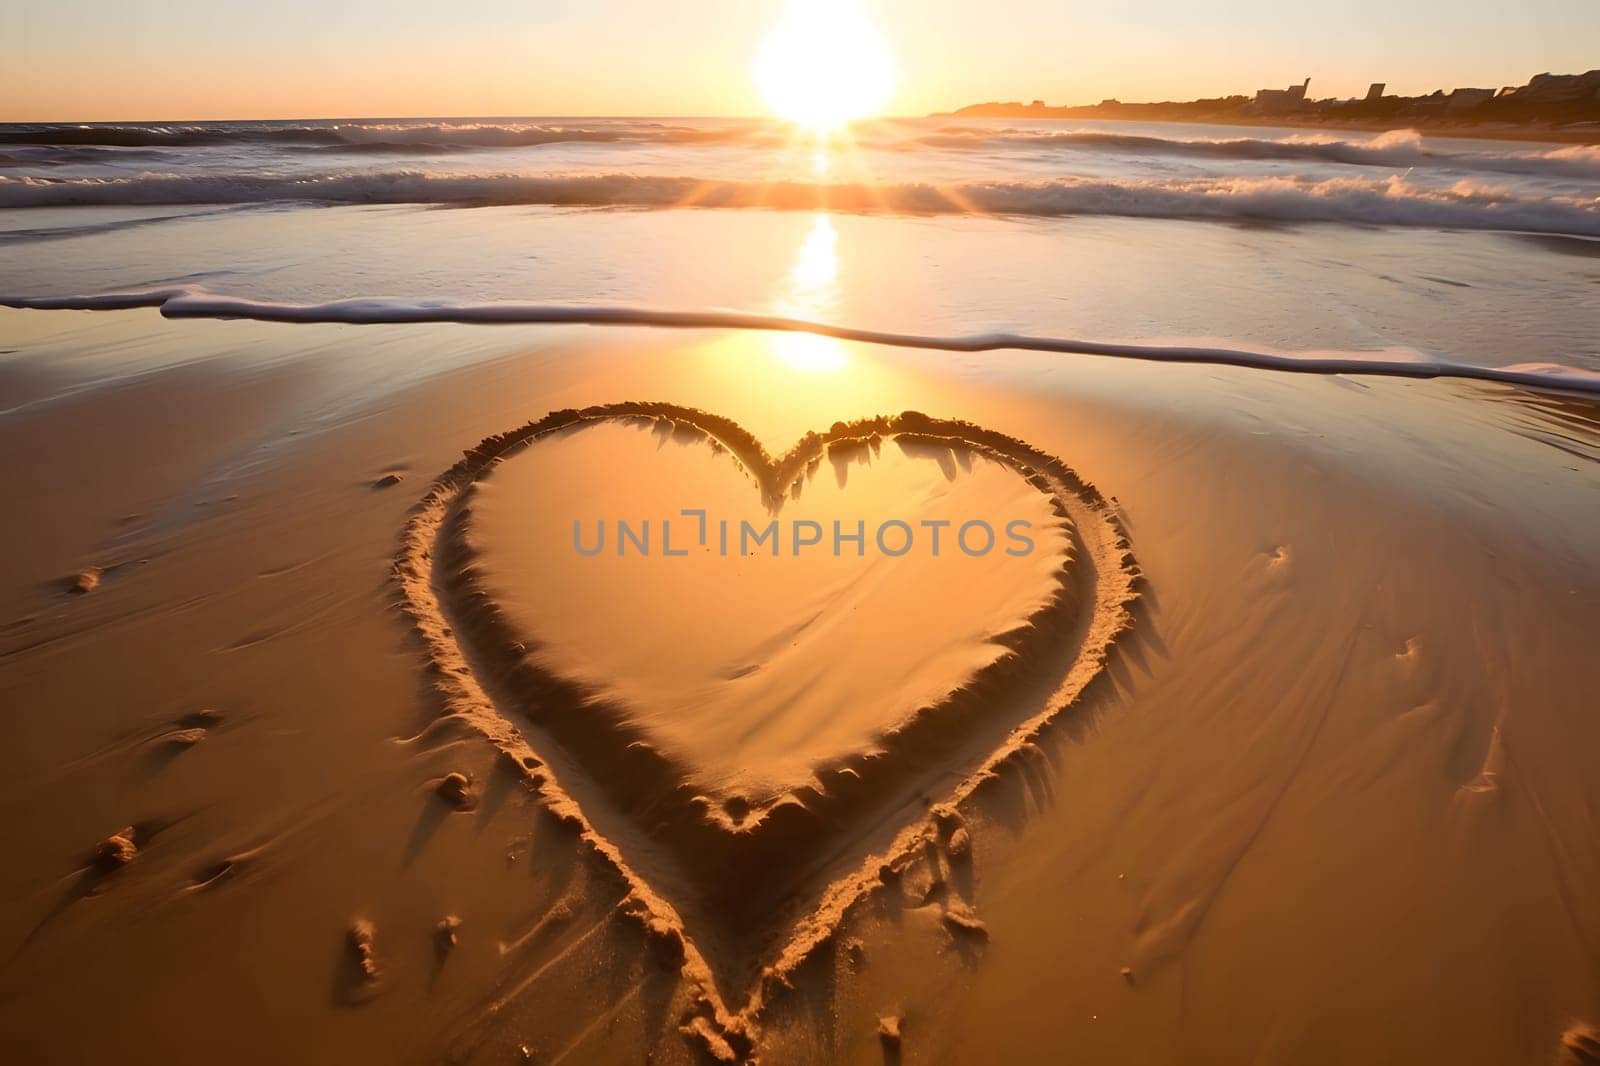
[(192, 59)]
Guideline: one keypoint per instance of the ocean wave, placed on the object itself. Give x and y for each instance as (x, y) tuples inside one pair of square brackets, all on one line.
[(1404, 148), (190, 302), (1395, 149), (379, 136), (1388, 202)]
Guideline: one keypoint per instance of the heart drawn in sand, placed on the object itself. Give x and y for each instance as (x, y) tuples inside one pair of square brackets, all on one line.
[(756, 740)]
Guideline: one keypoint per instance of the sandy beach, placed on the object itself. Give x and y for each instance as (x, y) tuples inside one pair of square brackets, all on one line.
[(1320, 786), (632, 554)]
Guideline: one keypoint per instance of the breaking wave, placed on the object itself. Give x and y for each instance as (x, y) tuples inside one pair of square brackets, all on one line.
[(191, 302), (382, 135), (1392, 202), (1395, 149)]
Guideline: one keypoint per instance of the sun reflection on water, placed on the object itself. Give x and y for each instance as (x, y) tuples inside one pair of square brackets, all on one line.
[(812, 292)]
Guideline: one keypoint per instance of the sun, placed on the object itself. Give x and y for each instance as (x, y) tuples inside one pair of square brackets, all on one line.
[(824, 65)]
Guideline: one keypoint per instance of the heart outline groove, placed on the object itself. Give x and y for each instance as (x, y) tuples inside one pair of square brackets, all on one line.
[(737, 901)]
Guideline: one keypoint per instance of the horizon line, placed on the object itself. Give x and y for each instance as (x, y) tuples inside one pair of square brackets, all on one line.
[(739, 116)]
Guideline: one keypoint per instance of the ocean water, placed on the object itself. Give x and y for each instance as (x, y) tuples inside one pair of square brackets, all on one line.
[(1374, 248)]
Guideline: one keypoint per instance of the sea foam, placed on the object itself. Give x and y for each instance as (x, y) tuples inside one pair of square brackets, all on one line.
[(1396, 149), (184, 302)]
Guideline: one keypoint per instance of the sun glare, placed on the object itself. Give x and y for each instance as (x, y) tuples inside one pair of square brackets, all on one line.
[(824, 65), (812, 293)]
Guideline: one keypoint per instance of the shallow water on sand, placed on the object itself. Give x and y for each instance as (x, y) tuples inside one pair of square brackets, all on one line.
[(1480, 252)]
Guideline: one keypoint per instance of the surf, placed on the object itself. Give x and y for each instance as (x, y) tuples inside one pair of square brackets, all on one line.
[(196, 303)]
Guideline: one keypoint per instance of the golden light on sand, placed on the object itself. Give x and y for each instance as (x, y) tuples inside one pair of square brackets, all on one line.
[(824, 65)]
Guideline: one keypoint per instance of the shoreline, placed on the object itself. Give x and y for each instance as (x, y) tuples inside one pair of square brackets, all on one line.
[(1527, 134), (376, 311)]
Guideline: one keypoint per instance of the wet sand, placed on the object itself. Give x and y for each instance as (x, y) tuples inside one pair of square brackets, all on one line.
[(1330, 793)]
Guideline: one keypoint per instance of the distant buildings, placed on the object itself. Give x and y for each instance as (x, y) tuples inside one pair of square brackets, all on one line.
[(1544, 90), (1290, 99), (1560, 89), (1569, 102), (1464, 98)]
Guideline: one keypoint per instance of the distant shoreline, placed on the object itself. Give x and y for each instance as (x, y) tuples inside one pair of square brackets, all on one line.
[(1475, 131), (1553, 108)]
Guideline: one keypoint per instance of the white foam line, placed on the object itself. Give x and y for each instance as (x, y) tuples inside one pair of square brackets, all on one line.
[(190, 303)]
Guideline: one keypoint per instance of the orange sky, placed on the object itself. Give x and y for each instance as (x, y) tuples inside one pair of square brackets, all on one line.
[(97, 60)]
